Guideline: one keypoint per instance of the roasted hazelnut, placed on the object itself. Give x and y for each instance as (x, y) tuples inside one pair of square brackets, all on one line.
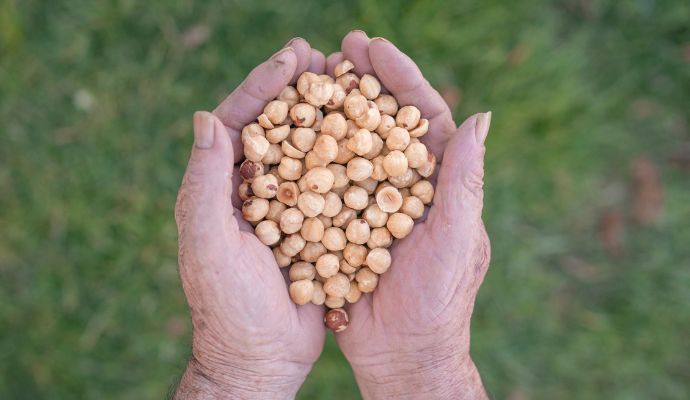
[(291, 220), (397, 139), (289, 150), (344, 154), (292, 244), (289, 95), (374, 216), (424, 190), (275, 210), (352, 128), (371, 118), (413, 207), (301, 291), (326, 221), (378, 173), (421, 129), (358, 231), (339, 175), (301, 270), (326, 148), (311, 161), (276, 111), (407, 117), (319, 296), (319, 179), (250, 169), (303, 115), (337, 99), (356, 198), (319, 93), (336, 320), (281, 259), (354, 294), (416, 154), (428, 167), (379, 260), (254, 209), (344, 217), (399, 225), (387, 104), (303, 139), (265, 122), (346, 268), (405, 192), (312, 251), (361, 142), (354, 254), (355, 106), (367, 280), (395, 164), (334, 302), (255, 147), (389, 199), (328, 265), (334, 239), (368, 184), (369, 86), (273, 155), (288, 193), (245, 191), (267, 232), (290, 169), (385, 125), (337, 285), (265, 186), (379, 237), (252, 130), (359, 169), (305, 80), (343, 67), (333, 204), (334, 124), (348, 82), (278, 134), (311, 204), (312, 229), (376, 147)]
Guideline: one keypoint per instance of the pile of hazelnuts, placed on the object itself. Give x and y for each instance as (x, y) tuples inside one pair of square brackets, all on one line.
[(334, 171)]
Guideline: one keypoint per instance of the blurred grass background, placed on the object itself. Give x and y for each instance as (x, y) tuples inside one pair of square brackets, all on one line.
[(587, 187)]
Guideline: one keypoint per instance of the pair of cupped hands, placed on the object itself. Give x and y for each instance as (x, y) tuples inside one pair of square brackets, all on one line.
[(408, 339)]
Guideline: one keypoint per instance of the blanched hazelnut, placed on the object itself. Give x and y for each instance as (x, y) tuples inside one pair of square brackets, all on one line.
[(276, 111), (380, 237), (319, 93), (328, 265), (303, 115), (356, 198), (385, 125), (291, 220), (312, 229), (265, 122), (275, 210), (311, 204), (371, 118), (334, 239), (326, 221), (389, 199), (368, 184), (367, 280), (376, 147), (395, 164), (424, 190), (265, 186), (255, 147), (354, 254), (359, 169), (378, 173), (288, 193), (354, 294), (337, 99), (303, 139), (348, 82), (399, 225), (267, 232), (281, 259), (254, 209), (334, 302), (301, 291), (358, 231), (302, 270), (290, 168), (273, 155), (344, 217), (311, 160), (397, 139), (278, 134), (334, 124), (379, 260), (343, 67), (416, 154), (421, 129), (339, 174), (333, 204), (252, 130), (250, 169), (408, 117), (289, 95), (355, 106), (319, 179), (346, 268), (245, 190), (405, 192), (361, 142), (352, 128), (344, 154), (326, 148), (374, 216), (312, 251), (409, 178), (387, 104), (341, 190), (413, 207), (319, 296), (292, 244), (305, 80), (302, 184), (337, 285), (427, 169), (369, 86)]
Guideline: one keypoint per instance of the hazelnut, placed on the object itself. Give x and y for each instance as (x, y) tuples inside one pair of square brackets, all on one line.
[(395, 164), (387, 104), (292, 244), (334, 301), (337, 99), (378, 172), (361, 142), (326, 148), (303, 115), (265, 186), (303, 139), (428, 167), (332, 204), (336, 320), (344, 217), (398, 139), (334, 124), (301, 291), (252, 130), (341, 190), (265, 122), (355, 106), (312, 230), (421, 129), (385, 125), (311, 160), (312, 251), (278, 134), (245, 191), (275, 210), (305, 80), (254, 209), (302, 270), (416, 154), (380, 237), (352, 128), (379, 260), (250, 169), (348, 82), (319, 179), (319, 93), (276, 111), (319, 296), (288, 193), (346, 268), (354, 254), (326, 221), (374, 216), (367, 280), (408, 117), (344, 154), (339, 174), (376, 147), (273, 155), (289, 95), (368, 184), (289, 168), (354, 294), (291, 220), (255, 147), (359, 169), (369, 86), (413, 207), (337, 285), (281, 259), (399, 225), (371, 118), (311, 204), (405, 192), (405, 180), (334, 239), (267, 232), (358, 231), (356, 198), (389, 199), (424, 190), (328, 265), (343, 67)]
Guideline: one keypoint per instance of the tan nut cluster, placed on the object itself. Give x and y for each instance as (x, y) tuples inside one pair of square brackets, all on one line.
[(334, 172)]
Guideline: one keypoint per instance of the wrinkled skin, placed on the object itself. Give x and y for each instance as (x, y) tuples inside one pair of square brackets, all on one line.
[(249, 339)]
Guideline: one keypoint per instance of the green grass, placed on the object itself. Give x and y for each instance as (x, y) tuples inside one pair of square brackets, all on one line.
[(95, 108)]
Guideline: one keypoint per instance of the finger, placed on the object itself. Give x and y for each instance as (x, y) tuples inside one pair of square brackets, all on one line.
[(405, 81), (318, 62), (248, 100), (236, 180), (204, 203), (303, 53), (355, 47), (333, 60), (459, 196)]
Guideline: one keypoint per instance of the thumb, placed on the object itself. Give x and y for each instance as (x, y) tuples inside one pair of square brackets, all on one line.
[(459, 197), (203, 210)]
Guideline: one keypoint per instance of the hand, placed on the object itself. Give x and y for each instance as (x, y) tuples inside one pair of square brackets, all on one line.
[(249, 339), (411, 337)]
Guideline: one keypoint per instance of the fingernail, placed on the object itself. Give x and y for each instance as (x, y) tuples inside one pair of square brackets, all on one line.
[(481, 129), (360, 31), (288, 44), (381, 39), (203, 129), (282, 53)]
